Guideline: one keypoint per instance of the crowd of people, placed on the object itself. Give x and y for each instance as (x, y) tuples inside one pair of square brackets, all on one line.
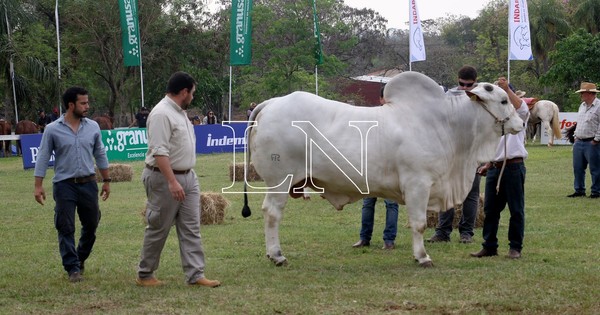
[(173, 191)]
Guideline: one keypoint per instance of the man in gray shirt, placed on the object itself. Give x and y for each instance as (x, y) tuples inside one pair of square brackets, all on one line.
[(76, 142)]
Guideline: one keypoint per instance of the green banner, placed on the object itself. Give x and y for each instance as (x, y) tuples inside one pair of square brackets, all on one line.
[(317, 35), (240, 41), (130, 31), (125, 144)]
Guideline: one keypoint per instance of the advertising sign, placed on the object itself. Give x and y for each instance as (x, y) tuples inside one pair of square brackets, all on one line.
[(30, 146), (565, 120), (128, 144)]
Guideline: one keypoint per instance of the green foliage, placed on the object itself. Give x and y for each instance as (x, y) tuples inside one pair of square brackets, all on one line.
[(572, 64)]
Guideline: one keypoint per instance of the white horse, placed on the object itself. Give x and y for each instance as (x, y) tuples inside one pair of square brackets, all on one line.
[(546, 113)]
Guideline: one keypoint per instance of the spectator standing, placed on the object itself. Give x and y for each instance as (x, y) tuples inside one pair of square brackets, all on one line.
[(76, 142), (467, 80), (43, 120), (55, 114), (209, 119), (140, 118), (586, 150), (368, 216), (172, 188), (249, 111), (511, 189)]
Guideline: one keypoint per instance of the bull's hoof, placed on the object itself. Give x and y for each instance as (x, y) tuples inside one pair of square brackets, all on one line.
[(426, 264), (279, 261)]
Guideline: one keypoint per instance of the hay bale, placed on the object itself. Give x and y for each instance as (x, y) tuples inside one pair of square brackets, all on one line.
[(239, 173), (432, 216), (118, 173), (213, 209)]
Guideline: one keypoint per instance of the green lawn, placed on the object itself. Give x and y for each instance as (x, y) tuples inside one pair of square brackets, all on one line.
[(559, 271)]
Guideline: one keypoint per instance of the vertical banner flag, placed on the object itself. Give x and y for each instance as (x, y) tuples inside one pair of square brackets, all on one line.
[(520, 37), (240, 41), (417, 44), (130, 31), (317, 35)]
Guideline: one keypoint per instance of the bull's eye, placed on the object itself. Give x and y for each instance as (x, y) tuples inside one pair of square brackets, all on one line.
[(489, 87), (504, 102)]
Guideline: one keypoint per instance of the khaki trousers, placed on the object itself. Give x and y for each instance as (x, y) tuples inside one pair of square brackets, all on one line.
[(162, 211)]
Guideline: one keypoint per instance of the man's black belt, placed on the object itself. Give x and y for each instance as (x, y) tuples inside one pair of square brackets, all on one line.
[(498, 164), (178, 172), (82, 180), (586, 139)]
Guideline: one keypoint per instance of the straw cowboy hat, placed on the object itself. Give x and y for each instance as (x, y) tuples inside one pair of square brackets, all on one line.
[(587, 87), (520, 93)]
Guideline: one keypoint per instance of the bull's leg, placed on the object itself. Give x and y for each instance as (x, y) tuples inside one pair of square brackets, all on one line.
[(416, 205), (273, 212)]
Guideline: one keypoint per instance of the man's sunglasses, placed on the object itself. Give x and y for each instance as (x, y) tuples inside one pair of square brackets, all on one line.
[(466, 84)]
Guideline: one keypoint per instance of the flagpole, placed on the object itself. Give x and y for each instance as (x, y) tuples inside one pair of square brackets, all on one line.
[(141, 72), (317, 80), (12, 66), (509, 42), (230, 75), (409, 35), (58, 56)]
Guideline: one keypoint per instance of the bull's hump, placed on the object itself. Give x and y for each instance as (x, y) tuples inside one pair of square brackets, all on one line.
[(413, 89)]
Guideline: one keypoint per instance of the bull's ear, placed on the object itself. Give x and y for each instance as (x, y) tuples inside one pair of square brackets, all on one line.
[(473, 96)]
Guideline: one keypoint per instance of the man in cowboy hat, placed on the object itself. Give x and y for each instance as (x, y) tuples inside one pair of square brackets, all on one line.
[(587, 136)]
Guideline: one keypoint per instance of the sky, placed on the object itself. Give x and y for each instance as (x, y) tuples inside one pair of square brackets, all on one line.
[(396, 11)]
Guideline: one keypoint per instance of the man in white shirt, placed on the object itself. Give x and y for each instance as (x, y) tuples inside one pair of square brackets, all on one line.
[(587, 136)]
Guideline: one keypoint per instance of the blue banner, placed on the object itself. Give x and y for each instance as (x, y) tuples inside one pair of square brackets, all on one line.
[(131, 144), (30, 146), (220, 138)]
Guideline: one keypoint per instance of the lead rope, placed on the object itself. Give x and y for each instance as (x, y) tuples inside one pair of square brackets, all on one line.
[(503, 162)]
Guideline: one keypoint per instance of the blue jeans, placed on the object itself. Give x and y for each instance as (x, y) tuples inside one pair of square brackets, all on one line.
[(368, 220), (585, 153), (83, 198), (512, 192), (469, 214)]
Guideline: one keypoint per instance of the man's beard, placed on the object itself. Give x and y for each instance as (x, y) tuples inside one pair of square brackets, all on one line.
[(79, 114)]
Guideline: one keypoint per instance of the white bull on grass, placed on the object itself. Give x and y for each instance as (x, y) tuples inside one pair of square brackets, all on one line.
[(421, 149)]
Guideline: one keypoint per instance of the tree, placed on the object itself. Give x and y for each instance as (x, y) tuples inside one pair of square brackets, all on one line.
[(548, 24), (587, 15), (572, 64), (32, 76)]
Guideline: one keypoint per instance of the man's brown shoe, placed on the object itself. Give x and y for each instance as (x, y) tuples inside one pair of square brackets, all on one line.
[(75, 277), (388, 246), (484, 252), (206, 283), (514, 254), (149, 282), (438, 239), (361, 243)]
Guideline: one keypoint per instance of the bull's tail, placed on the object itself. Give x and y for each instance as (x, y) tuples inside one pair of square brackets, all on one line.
[(555, 123), (246, 212)]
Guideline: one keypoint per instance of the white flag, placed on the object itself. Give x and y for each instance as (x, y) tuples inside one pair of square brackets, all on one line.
[(417, 45), (520, 36)]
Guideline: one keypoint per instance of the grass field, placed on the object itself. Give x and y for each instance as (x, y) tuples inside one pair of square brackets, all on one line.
[(558, 274)]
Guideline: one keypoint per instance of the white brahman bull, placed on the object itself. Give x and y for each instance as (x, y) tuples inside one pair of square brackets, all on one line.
[(420, 149)]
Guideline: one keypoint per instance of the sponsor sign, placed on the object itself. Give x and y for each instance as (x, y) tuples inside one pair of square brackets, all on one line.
[(131, 144), (565, 120), (220, 138), (125, 144), (30, 147)]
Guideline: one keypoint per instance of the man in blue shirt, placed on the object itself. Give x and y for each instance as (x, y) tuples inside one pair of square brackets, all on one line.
[(76, 142)]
